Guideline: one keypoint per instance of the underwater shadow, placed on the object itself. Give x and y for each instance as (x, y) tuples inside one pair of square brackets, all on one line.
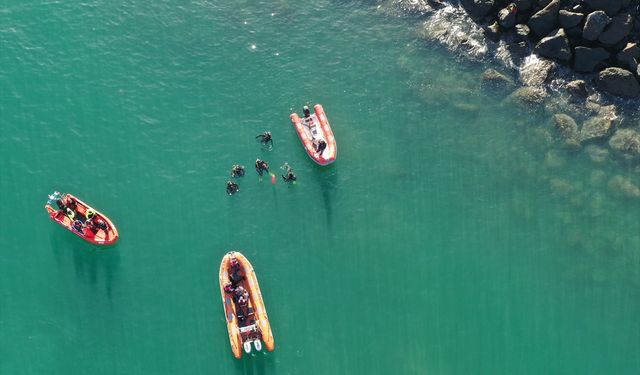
[(326, 177), (91, 263), (256, 364)]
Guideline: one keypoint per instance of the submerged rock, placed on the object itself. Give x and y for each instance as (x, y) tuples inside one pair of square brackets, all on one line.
[(595, 128), (554, 46), (577, 89), (626, 142), (529, 95), (623, 187), (497, 79), (618, 81), (536, 71), (568, 129), (596, 153)]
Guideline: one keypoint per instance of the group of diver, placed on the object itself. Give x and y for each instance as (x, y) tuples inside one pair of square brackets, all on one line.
[(68, 206), (261, 166)]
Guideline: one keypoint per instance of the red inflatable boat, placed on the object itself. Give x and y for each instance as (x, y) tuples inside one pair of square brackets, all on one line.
[(315, 134), (81, 219)]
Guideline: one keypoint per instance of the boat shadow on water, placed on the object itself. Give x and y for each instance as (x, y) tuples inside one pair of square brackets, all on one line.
[(327, 177), (256, 364), (93, 264)]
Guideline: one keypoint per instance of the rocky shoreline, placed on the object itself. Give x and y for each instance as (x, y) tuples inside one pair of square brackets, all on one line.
[(575, 59), (587, 35)]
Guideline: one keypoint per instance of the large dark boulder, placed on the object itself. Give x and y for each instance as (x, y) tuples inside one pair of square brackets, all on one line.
[(507, 16), (618, 81), (586, 59), (478, 8), (555, 46), (545, 20), (492, 32), (595, 24), (523, 5), (629, 56), (620, 26), (569, 19), (611, 7)]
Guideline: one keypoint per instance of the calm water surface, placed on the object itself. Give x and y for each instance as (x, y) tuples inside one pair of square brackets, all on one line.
[(450, 237)]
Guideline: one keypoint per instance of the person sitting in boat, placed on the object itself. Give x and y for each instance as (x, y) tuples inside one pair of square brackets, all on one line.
[(241, 295), (306, 112), (237, 170), (289, 176), (78, 226), (261, 167), (228, 288), (94, 223), (320, 146), (236, 275), (71, 214), (266, 139), (232, 187), (71, 203)]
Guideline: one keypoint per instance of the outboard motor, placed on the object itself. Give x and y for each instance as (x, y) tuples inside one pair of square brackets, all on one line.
[(257, 344), (306, 111), (247, 347)]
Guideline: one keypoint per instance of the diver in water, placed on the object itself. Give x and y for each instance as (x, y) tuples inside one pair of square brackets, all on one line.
[(237, 170), (261, 167), (289, 176), (232, 188), (266, 139)]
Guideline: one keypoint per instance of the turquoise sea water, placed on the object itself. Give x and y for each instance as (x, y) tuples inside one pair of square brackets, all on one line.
[(451, 236)]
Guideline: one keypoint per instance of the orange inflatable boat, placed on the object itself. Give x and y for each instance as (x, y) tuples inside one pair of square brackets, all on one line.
[(316, 135), (245, 314), (81, 219)]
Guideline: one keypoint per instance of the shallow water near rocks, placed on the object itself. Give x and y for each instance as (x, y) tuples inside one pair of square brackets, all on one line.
[(452, 235)]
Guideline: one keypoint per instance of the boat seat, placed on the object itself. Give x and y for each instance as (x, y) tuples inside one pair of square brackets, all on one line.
[(249, 328)]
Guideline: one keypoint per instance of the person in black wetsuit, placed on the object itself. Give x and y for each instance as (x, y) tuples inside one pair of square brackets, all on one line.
[(289, 176), (232, 187), (261, 167), (236, 275), (266, 139), (237, 171)]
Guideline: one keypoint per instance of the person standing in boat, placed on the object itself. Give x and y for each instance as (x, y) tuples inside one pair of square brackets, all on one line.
[(320, 146), (236, 274)]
